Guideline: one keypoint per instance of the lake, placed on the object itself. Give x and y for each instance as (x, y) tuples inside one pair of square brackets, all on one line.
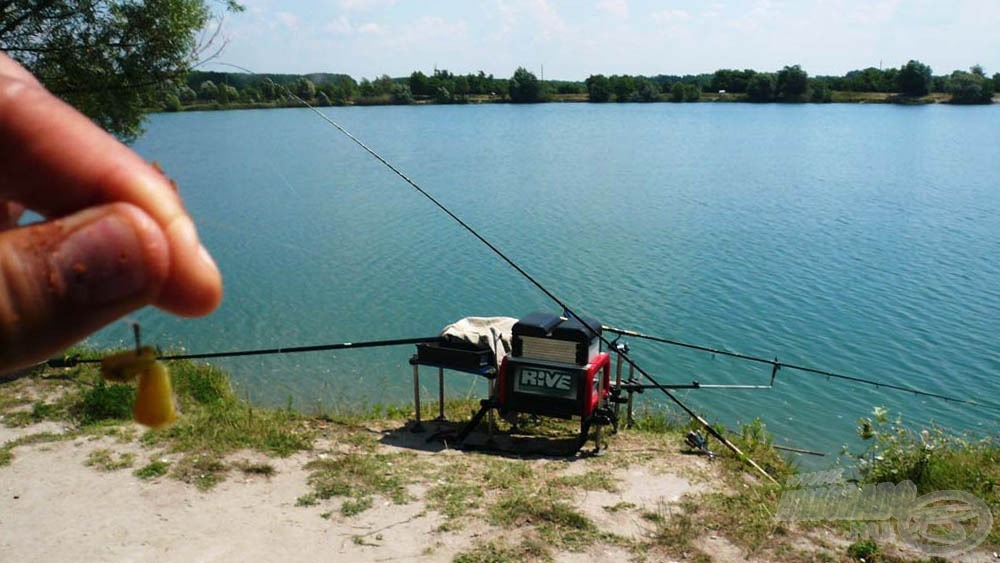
[(860, 239)]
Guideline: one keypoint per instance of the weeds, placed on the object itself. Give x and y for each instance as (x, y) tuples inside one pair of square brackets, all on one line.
[(358, 477), (106, 460), (931, 458), (153, 469), (204, 471)]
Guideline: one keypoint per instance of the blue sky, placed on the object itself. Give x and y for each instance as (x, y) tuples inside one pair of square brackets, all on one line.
[(573, 39)]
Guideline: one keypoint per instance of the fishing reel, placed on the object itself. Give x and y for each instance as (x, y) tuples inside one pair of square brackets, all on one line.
[(698, 442)]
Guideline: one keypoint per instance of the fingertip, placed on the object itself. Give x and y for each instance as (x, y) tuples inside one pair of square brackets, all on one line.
[(194, 286)]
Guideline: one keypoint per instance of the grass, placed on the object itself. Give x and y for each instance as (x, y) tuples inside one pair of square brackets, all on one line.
[(359, 476), (106, 460), (153, 469), (204, 471), (499, 552)]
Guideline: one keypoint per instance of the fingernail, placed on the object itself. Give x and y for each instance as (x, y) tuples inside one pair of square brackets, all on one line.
[(186, 233), (100, 263), (206, 257)]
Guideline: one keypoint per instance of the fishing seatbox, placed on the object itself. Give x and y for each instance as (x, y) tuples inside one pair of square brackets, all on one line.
[(548, 337), (553, 389)]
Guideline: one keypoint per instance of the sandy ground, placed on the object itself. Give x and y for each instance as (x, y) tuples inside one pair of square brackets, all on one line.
[(55, 508)]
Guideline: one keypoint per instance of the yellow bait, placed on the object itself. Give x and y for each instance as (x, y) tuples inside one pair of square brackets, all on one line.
[(154, 400)]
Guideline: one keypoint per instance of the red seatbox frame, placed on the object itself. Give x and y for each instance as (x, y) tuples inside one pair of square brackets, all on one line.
[(552, 389)]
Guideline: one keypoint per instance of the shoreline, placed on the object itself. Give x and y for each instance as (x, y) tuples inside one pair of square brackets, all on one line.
[(81, 480)]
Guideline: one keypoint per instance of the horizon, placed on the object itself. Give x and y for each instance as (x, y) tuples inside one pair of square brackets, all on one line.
[(569, 41)]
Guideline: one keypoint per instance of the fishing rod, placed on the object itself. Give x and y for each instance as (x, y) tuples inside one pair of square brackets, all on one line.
[(568, 312), (74, 360), (777, 365)]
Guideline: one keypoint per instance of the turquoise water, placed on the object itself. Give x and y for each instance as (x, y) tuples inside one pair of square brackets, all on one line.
[(858, 239)]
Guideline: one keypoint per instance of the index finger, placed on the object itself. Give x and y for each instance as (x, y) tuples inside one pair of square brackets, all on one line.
[(56, 161)]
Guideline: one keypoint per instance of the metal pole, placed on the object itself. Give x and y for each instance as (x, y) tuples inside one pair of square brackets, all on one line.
[(417, 427), (441, 416)]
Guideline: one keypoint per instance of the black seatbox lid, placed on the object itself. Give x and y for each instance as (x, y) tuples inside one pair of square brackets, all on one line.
[(536, 324), (574, 330)]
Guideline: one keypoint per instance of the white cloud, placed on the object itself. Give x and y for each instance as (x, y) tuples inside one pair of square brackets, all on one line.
[(288, 19), (364, 5), (372, 29), (665, 17), (614, 8), (340, 26)]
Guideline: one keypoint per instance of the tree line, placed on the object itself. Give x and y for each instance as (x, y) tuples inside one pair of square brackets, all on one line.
[(116, 60), (911, 83)]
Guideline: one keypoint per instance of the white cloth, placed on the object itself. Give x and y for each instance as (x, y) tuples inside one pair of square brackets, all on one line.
[(484, 332)]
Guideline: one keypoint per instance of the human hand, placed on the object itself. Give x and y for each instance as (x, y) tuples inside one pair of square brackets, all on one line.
[(115, 238)]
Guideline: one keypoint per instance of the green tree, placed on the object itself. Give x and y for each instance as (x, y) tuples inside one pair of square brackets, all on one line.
[(208, 90), (524, 87), (172, 103), (761, 88), (732, 81), (914, 79), (692, 93), (304, 88), (646, 91), (677, 92), (792, 83), (227, 94), (401, 94), (111, 59), (598, 88), (819, 91), (420, 85), (186, 94), (970, 87), (623, 87)]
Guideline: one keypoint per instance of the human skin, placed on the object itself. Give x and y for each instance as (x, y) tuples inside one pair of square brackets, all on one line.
[(115, 235)]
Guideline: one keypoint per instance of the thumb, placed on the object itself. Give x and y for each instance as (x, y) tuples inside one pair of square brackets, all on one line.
[(63, 279)]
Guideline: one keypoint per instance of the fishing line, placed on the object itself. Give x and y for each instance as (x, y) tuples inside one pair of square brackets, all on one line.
[(776, 365)]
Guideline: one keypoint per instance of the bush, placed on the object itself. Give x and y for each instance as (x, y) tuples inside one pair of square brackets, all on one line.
[(105, 402)]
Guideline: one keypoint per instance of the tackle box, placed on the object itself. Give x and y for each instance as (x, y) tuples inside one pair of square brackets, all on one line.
[(548, 337), (454, 355)]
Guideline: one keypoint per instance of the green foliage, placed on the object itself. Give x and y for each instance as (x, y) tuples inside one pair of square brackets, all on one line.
[(305, 89), (819, 91), (864, 550), (524, 87), (201, 470), (970, 87), (153, 469), (401, 94), (105, 460), (110, 58), (520, 508), (494, 552), (623, 87), (104, 402), (732, 81), (646, 91), (598, 88), (359, 476), (931, 458), (792, 83), (761, 88), (914, 79)]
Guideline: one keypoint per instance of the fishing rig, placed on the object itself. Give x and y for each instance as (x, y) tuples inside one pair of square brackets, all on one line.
[(544, 374)]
